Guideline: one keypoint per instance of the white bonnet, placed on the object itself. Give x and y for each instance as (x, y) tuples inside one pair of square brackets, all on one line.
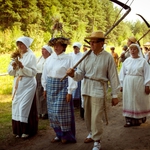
[(78, 44), (27, 41), (48, 48), (139, 49)]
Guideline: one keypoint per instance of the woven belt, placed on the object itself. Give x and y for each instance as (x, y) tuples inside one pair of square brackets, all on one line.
[(98, 80)]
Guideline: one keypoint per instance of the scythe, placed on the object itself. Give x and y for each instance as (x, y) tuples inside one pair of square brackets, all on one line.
[(103, 83), (138, 41), (126, 7), (148, 25)]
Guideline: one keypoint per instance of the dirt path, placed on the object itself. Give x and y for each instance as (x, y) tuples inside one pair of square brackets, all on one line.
[(115, 136)]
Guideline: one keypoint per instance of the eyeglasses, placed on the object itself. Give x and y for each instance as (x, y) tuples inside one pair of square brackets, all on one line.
[(94, 42)]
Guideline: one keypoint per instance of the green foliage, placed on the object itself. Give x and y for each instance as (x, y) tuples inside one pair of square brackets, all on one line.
[(5, 81), (35, 18)]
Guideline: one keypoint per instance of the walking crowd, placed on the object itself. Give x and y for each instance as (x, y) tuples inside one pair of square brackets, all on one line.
[(40, 90)]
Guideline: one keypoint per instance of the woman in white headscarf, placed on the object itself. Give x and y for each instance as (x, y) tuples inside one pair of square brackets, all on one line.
[(41, 101), (23, 68), (135, 80)]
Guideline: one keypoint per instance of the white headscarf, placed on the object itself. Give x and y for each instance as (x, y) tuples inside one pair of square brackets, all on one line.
[(140, 51), (77, 44), (27, 41), (48, 48)]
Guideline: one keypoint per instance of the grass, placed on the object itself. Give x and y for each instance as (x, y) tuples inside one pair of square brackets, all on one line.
[(6, 134), (5, 117)]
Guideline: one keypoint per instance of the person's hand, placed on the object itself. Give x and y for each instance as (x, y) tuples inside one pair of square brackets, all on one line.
[(68, 97), (114, 101), (70, 72), (20, 64), (147, 90), (14, 64), (44, 94), (121, 89)]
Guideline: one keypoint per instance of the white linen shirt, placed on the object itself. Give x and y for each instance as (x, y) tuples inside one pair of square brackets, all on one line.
[(76, 57), (40, 64), (99, 67), (56, 67)]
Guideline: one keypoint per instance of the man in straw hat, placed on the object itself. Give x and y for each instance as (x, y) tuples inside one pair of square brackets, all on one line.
[(97, 69)]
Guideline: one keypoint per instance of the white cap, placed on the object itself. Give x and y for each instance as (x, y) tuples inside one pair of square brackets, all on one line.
[(27, 41), (78, 44), (48, 48)]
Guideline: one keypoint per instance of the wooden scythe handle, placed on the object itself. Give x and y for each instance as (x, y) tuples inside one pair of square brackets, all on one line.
[(78, 63)]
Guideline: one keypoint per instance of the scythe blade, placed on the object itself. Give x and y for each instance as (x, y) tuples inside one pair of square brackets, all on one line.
[(128, 10), (126, 7), (148, 25)]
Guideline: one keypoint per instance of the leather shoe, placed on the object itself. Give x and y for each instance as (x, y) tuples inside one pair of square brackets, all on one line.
[(128, 124), (64, 141), (88, 140), (54, 140)]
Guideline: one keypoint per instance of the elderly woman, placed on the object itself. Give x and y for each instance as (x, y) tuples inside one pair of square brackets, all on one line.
[(41, 101), (59, 94), (135, 79), (23, 68)]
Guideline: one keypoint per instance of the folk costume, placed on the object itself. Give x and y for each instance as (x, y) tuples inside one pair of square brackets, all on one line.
[(96, 70), (60, 112), (76, 95), (24, 112), (134, 76), (41, 101)]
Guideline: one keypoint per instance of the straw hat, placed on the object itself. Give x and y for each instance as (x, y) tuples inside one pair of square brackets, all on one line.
[(96, 35), (132, 39), (147, 44)]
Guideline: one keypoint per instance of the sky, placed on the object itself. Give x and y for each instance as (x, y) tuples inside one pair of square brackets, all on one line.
[(141, 7)]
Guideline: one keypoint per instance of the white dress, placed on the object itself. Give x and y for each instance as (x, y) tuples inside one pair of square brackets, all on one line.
[(25, 92), (134, 76)]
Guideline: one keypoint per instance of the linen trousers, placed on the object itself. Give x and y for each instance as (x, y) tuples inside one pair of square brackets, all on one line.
[(94, 109)]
